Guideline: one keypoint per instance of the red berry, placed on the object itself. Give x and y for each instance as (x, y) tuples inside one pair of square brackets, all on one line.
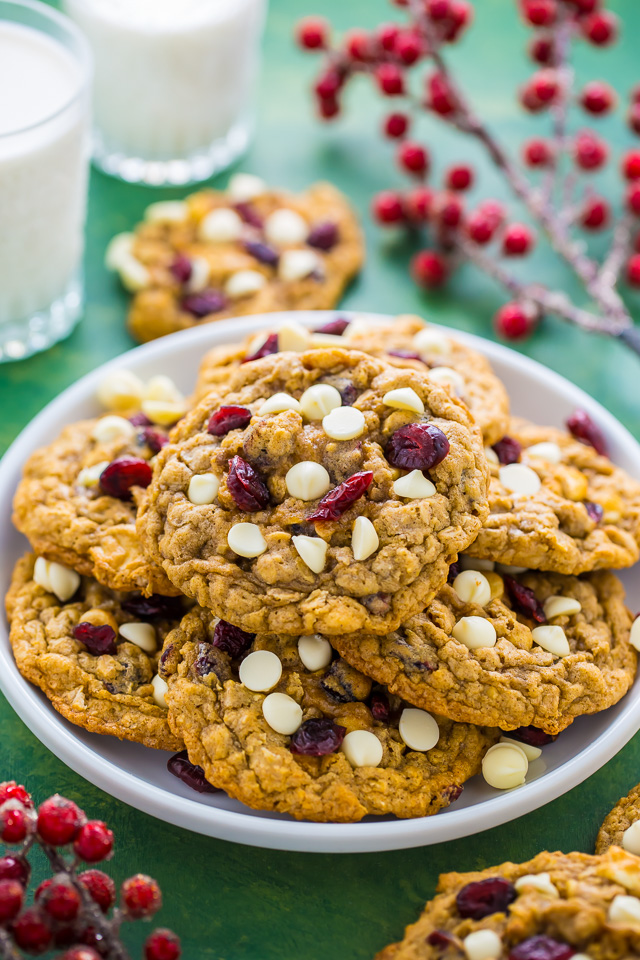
[(514, 322), (539, 13), (141, 896), (396, 125), (81, 953), (32, 931), (10, 790), (633, 198), (633, 118), (597, 97), (328, 108), (585, 6), (484, 897), (438, 9), (413, 158), (118, 479), (162, 945), (459, 177), (480, 228), (390, 79), (409, 47), (542, 50), (417, 204), (94, 841), (537, 153), (317, 737), (386, 35), (590, 153), (387, 207), (338, 500), (633, 270), (541, 948), (600, 28), (358, 44), (249, 491), (544, 85), (529, 100), (15, 822), (59, 820), (59, 899), (429, 269), (584, 428), (634, 96), (440, 97), (494, 210), (312, 33), (97, 639), (101, 887), (202, 304), (328, 84), (517, 240), (15, 867), (417, 446), (448, 210), (595, 214), (11, 900), (460, 16), (228, 418), (269, 346), (232, 640), (524, 599)]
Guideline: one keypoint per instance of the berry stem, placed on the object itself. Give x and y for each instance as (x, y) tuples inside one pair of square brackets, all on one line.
[(560, 109)]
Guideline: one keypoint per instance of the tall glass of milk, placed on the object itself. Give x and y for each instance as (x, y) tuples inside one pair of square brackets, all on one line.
[(45, 73), (173, 84)]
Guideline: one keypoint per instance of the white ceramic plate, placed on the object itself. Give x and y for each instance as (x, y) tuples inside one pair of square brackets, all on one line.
[(139, 776)]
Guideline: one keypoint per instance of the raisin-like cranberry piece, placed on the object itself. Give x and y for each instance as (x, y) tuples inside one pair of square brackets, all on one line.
[(379, 706), (249, 214), (524, 600), (484, 897), (247, 488), (533, 736), (262, 252), (454, 570), (268, 347), (541, 948), (182, 768), (405, 355), (155, 607), (154, 439), (440, 938), (338, 500), (140, 420), (97, 640), (232, 640), (323, 236), (124, 473), (583, 428), (452, 792), (418, 446), (335, 327), (507, 450), (181, 268), (594, 510), (318, 737), (200, 305), (228, 418)]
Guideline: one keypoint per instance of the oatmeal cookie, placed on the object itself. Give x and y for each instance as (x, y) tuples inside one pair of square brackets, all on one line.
[(496, 658), (571, 510), (622, 826), (281, 724), (67, 514), (213, 257), (104, 682), (317, 513), (554, 907)]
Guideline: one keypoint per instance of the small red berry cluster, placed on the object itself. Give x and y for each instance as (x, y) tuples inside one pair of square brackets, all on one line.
[(390, 53), (70, 909)]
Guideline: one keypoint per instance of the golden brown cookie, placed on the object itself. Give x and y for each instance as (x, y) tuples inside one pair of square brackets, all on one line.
[(281, 724), (320, 516), (621, 827)]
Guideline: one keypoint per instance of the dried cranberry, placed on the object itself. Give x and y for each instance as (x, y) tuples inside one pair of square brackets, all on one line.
[(418, 446), (440, 938), (323, 236), (583, 428), (124, 473), (405, 355), (262, 252), (335, 327), (348, 394), (153, 439), (249, 214), (541, 948), (181, 268), (379, 706), (507, 450), (247, 488), (232, 640), (454, 570), (594, 510), (452, 792), (202, 304), (533, 736), (155, 607), (182, 768), (524, 600), (318, 737), (338, 500), (269, 346), (140, 420), (484, 897), (228, 418), (97, 640)]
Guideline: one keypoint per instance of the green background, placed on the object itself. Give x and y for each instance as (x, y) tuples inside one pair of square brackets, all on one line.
[(230, 902)]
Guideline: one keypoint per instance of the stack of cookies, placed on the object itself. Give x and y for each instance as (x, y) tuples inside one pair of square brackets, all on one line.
[(340, 575)]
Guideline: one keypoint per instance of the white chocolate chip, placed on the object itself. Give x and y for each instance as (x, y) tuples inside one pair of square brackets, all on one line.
[(313, 550), (243, 283), (413, 486), (199, 278), (545, 451), (221, 226), (505, 766), (510, 570), (326, 340), (491, 456), (520, 479), (475, 632), (167, 211), (475, 563), (531, 753), (634, 636), (142, 634), (404, 398), (260, 671), (164, 413), (245, 186), (160, 688), (41, 574), (362, 748), (553, 639), (118, 249), (285, 228), (56, 578), (482, 945), (432, 342), (307, 480), (344, 423), (297, 264), (161, 387), (133, 275), (203, 488), (246, 540), (112, 428), (278, 403), (418, 729), (625, 910), (315, 652), (121, 390), (472, 587), (294, 337), (537, 881), (631, 839), (561, 607), (282, 713), (448, 377), (364, 539), (319, 400), (90, 476)]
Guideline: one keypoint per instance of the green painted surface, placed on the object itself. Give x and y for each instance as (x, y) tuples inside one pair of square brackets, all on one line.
[(230, 902)]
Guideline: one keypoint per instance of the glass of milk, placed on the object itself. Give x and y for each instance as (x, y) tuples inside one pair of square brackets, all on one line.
[(45, 73), (173, 84)]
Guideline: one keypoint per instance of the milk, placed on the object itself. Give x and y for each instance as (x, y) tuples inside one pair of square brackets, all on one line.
[(173, 83), (43, 164)]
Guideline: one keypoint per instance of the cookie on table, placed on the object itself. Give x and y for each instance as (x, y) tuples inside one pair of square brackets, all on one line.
[(621, 827), (280, 724), (299, 501), (556, 906), (94, 655), (537, 649), (75, 514), (556, 504), (246, 250)]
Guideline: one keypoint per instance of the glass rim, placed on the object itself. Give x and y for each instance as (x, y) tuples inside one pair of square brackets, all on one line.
[(83, 56)]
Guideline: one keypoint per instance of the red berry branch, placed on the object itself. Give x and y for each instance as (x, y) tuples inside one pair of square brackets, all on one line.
[(407, 61), (75, 909)]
